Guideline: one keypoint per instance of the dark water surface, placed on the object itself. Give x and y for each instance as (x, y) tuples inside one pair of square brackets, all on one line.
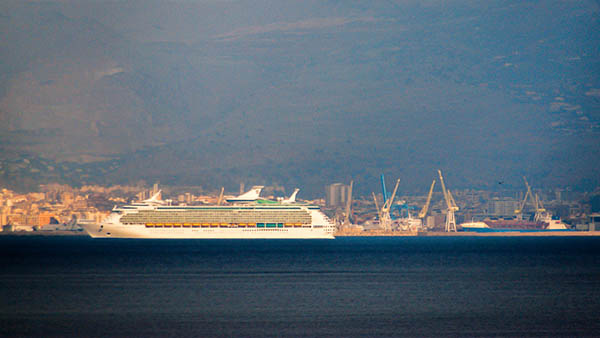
[(348, 287)]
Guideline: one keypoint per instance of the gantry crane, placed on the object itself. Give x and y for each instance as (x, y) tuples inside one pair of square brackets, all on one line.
[(451, 204)]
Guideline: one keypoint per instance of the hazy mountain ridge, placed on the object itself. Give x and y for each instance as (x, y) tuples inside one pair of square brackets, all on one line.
[(329, 93)]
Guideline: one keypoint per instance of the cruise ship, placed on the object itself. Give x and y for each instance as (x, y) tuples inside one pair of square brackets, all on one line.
[(248, 217)]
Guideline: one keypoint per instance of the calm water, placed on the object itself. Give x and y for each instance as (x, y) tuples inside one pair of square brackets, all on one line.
[(352, 287)]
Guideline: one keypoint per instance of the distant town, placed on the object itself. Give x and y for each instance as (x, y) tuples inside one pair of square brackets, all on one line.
[(58, 207)]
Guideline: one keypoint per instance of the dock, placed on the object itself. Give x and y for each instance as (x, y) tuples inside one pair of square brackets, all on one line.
[(382, 233)]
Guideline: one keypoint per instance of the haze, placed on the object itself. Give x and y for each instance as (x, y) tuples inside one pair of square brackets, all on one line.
[(300, 93)]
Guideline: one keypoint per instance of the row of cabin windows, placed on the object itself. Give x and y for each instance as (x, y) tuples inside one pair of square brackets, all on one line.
[(212, 220), (222, 225)]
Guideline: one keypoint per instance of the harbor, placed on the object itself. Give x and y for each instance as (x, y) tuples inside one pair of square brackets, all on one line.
[(529, 213), (196, 213)]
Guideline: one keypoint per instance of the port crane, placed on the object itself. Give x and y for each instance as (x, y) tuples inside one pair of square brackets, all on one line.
[(528, 195), (451, 204), (423, 211), (376, 203), (383, 189), (519, 210), (220, 199), (385, 219), (399, 207), (541, 214)]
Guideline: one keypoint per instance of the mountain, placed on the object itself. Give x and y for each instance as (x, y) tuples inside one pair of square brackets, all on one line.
[(300, 93)]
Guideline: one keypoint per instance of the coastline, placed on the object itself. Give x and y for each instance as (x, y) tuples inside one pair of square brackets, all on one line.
[(375, 233), (44, 233), (380, 233)]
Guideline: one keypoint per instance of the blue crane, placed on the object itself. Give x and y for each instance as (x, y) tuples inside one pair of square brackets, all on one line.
[(394, 207)]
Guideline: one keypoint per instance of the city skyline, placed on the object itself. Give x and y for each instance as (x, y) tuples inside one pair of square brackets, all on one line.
[(56, 206)]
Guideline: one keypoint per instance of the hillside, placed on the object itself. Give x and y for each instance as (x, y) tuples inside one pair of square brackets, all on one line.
[(300, 94)]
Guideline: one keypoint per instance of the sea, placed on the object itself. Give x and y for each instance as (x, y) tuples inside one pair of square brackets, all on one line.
[(75, 286)]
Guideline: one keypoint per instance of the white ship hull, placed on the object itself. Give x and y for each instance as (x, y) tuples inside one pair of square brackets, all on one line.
[(140, 231), (244, 221)]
